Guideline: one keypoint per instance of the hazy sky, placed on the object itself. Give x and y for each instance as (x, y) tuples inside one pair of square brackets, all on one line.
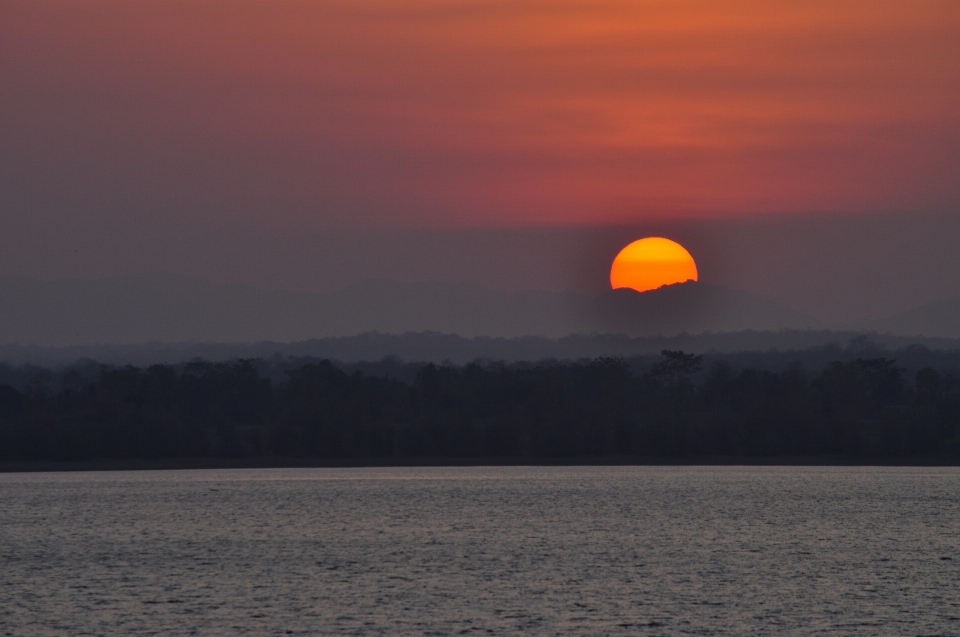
[(306, 144)]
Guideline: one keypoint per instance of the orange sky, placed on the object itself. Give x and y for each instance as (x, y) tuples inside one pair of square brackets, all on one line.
[(480, 112)]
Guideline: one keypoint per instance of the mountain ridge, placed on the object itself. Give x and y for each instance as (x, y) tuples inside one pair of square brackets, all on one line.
[(938, 318), (161, 307), (440, 348)]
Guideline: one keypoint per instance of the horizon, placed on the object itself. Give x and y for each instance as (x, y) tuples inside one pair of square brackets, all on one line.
[(176, 309)]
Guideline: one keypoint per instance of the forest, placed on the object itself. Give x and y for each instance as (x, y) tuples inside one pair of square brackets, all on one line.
[(674, 407)]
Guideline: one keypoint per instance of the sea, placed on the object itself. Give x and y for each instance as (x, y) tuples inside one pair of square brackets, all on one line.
[(482, 551)]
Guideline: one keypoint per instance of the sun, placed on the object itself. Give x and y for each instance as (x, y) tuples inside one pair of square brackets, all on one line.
[(649, 263)]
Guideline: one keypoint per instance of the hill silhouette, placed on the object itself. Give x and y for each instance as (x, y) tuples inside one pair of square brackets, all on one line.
[(940, 318), (169, 308), (693, 308), (440, 348)]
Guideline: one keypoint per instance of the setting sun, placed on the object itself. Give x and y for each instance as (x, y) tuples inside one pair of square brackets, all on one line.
[(649, 263)]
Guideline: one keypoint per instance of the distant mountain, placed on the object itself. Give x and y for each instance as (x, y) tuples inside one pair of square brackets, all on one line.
[(940, 318), (692, 308), (168, 308), (453, 308), (821, 347)]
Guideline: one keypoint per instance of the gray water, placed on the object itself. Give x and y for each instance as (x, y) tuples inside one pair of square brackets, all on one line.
[(440, 551)]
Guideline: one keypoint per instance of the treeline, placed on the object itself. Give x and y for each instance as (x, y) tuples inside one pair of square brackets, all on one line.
[(867, 407)]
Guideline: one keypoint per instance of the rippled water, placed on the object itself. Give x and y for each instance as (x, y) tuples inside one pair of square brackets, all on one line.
[(566, 551)]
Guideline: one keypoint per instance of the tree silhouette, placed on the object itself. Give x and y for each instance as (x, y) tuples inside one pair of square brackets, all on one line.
[(587, 409), (676, 367)]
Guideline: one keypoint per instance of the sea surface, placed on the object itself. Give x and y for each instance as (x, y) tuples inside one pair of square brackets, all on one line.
[(476, 551)]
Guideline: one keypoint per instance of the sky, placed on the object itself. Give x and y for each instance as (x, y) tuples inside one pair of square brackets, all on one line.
[(809, 150)]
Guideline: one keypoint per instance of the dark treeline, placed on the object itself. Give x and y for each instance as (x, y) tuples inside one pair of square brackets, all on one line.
[(862, 407)]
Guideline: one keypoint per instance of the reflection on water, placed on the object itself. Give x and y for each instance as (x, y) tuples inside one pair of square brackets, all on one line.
[(568, 551)]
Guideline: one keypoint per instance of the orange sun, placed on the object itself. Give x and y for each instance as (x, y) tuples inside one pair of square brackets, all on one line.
[(647, 264)]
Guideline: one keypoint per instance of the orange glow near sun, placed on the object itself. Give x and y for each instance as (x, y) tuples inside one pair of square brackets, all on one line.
[(647, 264)]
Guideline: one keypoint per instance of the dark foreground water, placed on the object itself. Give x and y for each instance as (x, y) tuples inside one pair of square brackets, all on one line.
[(541, 551)]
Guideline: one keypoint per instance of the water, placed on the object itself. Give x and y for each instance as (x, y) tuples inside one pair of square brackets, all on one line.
[(474, 551)]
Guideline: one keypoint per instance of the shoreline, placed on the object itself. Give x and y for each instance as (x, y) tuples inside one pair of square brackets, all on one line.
[(172, 464)]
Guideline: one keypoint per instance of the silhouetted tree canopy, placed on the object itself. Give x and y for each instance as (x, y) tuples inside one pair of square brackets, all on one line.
[(867, 407)]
